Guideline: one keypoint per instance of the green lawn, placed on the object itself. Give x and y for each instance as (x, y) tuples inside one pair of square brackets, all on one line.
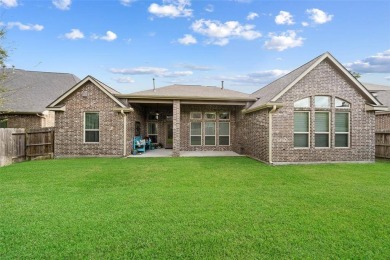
[(193, 208)]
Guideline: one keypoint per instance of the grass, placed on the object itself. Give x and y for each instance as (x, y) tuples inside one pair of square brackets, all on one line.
[(198, 208)]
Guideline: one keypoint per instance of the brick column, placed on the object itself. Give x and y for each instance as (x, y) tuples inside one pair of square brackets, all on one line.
[(176, 128)]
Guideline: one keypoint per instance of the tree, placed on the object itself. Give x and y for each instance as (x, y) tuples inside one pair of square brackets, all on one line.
[(3, 58), (357, 75)]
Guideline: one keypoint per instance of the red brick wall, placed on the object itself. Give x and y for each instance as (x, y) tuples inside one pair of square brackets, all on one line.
[(22, 121), (324, 80), (69, 139), (252, 134)]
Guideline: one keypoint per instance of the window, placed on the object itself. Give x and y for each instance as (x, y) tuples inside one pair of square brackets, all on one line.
[(322, 102), (91, 127), (303, 103), (224, 133), (342, 130), (196, 115), (209, 133), (209, 116), (339, 103), (224, 116), (152, 131), (196, 133), (301, 129), (321, 129)]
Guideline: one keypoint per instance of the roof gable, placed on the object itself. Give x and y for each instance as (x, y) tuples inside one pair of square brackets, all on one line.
[(107, 90), (273, 91)]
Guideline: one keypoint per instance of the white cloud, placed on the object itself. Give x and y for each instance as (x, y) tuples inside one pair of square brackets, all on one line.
[(124, 80), (171, 9), (188, 39), (379, 63), (283, 41), (305, 24), (388, 78), (127, 2), (209, 8), (9, 3), (220, 33), (110, 36), (252, 16), (318, 16), (284, 18), (74, 34), (62, 4), (156, 71), (25, 27)]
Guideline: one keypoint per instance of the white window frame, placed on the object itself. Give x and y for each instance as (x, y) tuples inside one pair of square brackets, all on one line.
[(328, 133), (192, 118), (306, 98), (224, 122), (191, 135), (92, 130), (348, 133), (215, 133), (210, 113), (335, 100), (224, 119), (308, 133)]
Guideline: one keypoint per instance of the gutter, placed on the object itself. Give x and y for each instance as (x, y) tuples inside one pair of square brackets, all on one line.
[(264, 106)]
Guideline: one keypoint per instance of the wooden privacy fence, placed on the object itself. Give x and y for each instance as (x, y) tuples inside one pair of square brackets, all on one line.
[(382, 145), (17, 144)]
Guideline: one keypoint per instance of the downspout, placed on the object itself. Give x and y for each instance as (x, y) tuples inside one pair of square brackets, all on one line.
[(43, 119), (270, 133), (124, 132)]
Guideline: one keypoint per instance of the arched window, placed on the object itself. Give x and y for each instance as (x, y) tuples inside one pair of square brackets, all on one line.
[(340, 103), (302, 103)]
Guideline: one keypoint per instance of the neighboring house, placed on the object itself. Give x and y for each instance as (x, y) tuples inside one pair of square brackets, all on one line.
[(27, 95), (316, 113), (382, 93)]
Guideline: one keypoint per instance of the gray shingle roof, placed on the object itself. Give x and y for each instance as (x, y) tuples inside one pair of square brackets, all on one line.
[(382, 93), (32, 91), (191, 92), (267, 93)]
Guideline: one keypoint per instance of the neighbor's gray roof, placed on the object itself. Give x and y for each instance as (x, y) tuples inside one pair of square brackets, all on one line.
[(382, 93), (267, 93), (375, 87), (32, 91), (190, 92)]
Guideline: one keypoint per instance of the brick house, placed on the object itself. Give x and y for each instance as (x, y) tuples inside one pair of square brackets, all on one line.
[(317, 113), (27, 95)]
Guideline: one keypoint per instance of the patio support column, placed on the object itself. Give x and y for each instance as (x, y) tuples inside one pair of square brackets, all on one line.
[(176, 128)]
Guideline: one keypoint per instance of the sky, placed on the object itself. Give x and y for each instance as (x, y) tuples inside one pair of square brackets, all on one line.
[(245, 43)]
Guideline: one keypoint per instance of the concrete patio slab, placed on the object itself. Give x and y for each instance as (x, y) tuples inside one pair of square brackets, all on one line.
[(169, 152)]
